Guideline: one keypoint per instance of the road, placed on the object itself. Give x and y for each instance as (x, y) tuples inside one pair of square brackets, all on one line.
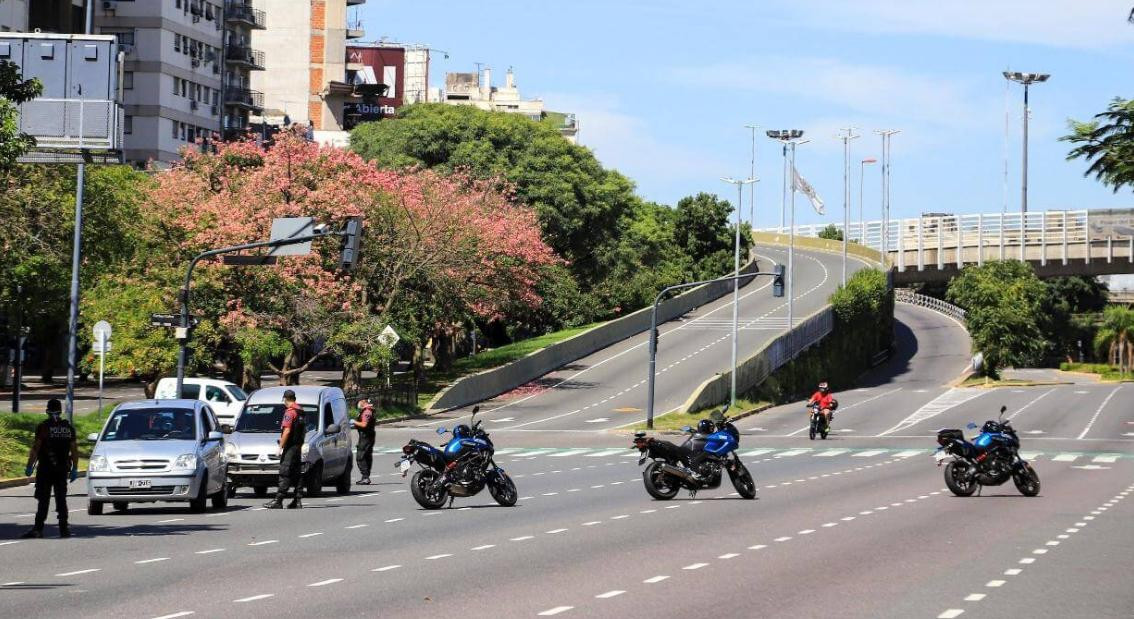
[(859, 525)]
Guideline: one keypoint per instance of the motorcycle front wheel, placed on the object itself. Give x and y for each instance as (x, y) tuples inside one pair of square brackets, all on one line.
[(1027, 481), (658, 484), (503, 490), (811, 430), (743, 482), (425, 491), (956, 480)]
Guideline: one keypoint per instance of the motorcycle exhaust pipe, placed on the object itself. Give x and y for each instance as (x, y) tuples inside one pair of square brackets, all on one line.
[(669, 469)]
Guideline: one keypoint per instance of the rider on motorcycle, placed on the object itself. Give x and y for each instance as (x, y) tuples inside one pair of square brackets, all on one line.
[(825, 401)]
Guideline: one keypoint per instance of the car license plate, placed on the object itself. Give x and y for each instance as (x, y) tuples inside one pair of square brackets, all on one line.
[(139, 483), (404, 466), (939, 456)]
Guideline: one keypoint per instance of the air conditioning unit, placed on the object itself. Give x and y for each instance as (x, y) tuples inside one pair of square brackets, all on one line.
[(108, 5), (196, 62), (192, 105), (126, 48)]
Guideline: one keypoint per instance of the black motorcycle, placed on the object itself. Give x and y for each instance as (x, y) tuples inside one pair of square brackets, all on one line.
[(461, 468), (819, 424), (990, 459), (697, 463)]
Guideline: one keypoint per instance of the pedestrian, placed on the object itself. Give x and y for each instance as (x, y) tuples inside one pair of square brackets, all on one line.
[(290, 452), (365, 426), (54, 456)]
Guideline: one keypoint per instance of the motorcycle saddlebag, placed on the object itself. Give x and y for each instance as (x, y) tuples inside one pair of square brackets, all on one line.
[(947, 435)]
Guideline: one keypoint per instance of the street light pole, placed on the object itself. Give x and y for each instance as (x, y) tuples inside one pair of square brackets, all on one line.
[(861, 186), (752, 174), (789, 137), (1027, 79), (736, 282), (846, 138), (886, 135)]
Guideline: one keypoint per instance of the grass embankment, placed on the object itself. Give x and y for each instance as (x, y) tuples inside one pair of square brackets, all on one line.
[(488, 359), (810, 242), (676, 421), (984, 381), (17, 431), (1105, 371)]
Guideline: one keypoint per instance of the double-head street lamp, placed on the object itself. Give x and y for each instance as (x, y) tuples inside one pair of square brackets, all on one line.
[(789, 137), (736, 282), (861, 185), (1027, 79)]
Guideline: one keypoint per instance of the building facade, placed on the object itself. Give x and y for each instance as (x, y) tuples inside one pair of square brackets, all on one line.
[(473, 89), (403, 71), (241, 59), (14, 16), (305, 80)]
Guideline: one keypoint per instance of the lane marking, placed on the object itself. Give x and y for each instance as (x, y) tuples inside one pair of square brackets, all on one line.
[(952, 613), (209, 551), (850, 406), (356, 526), (654, 580), (170, 520), (385, 568), (78, 572), (729, 555), (950, 399), (974, 597), (484, 547), (265, 542), (870, 453), (522, 538), (995, 583), (435, 557), (694, 566), (145, 561), (306, 535), (1025, 407), (1097, 412), (184, 613), (609, 594), (262, 596), (554, 531), (323, 583), (555, 611)]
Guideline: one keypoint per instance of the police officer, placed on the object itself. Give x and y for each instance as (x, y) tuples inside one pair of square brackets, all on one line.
[(57, 454), (365, 426), (291, 453)]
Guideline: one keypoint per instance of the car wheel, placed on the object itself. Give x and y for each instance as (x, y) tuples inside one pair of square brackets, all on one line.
[(120, 506), (220, 499), (314, 480), (94, 508), (342, 484), (198, 504)]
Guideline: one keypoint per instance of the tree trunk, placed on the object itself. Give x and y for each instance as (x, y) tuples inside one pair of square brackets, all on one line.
[(151, 385), (250, 379), (352, 379), (442, 350)]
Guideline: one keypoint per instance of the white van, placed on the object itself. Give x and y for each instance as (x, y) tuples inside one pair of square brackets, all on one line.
[(225, 398)]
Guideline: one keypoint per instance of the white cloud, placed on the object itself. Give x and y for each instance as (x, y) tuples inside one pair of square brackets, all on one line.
[(1085, 24)]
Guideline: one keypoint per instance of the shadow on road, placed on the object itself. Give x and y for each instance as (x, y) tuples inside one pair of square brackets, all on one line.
[(12, 531)]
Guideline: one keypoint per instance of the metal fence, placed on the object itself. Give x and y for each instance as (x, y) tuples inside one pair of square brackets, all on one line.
[(909, 297), (401, 395)]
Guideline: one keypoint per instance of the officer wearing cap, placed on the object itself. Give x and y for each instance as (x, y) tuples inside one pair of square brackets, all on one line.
[(291, 453), (365, 426), (54, 455)]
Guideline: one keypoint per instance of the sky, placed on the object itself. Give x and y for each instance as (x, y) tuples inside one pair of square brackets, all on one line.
[(663, 89)]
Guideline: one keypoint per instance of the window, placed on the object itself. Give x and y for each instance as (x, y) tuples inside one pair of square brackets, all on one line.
[(177, 4), (128, 80), (181, 127), (174, 123), (150, 424), (190, 392), (328, 416), (216, 394), (206, 425), (237, 393), (127, 125), (176, 42), (184, 88), (267, 417), (125, 37)]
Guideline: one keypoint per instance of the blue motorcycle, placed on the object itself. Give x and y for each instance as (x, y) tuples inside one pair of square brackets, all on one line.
[(462, 467), (990, 459), (697, 463)]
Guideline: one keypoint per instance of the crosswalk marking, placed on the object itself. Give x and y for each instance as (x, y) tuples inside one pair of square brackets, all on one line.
[(1030, 455), (909, 452), (869, 453), (1106, 458), (607, 452), (572, 452), (756, 452), (792, 452), (831, 452), (940, 404), (1065, 457)]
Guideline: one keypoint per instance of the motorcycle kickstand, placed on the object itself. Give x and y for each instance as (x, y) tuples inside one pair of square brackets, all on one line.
[(979, 489), (692, 494), (451, 497)]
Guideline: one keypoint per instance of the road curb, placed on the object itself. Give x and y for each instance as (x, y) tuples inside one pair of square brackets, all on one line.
[(748, 413), (16, 482)]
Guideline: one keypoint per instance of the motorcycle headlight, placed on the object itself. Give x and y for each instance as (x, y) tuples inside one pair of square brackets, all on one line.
[(98, 464), (230, 450), (185, 461), (303, 451)]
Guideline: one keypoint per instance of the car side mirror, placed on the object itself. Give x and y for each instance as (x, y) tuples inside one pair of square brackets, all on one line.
[(226, 429), (441, 430), (332, 429), (214, 436), (93, 437)]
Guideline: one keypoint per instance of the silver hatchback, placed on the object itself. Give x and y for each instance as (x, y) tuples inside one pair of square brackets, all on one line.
[(158, 450)]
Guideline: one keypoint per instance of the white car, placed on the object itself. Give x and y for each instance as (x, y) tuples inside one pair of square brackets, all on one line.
[(224, 398), (158, 450)]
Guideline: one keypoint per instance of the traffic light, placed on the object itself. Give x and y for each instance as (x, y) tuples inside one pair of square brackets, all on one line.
[(778, 281), (352, 234)]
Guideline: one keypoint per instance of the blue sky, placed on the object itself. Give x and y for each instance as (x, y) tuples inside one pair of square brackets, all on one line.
[(663, 88)]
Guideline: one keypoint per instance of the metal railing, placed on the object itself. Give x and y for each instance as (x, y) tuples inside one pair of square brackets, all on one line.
[(909, 297), (401, 395), (244, 96), (245, 55), (243, 12)]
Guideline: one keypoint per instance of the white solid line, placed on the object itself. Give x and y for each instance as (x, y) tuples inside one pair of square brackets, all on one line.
[(209, 551), (555, 611), (695, 566), (654, 580), (306, 535), (609, 594), (262, 596), (1100, 410), (385, 568), (329, 581), (77, 572), (184, 613), (265, 542), (441, 556), (974, 597), (952, 613), (13, 583), (484, 547), (145, 561), (522, 538)]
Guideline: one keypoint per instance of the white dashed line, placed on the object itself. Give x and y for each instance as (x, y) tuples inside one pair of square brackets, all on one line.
[(306, 535), (654, 580), (522, 538), (323, 583), (952, 613), (184, 613), (209, 551), (78, 572), (609, 594), (262, 596), (555, 611), (435, 557), (265, 542), (145, 561), (385, 568), (695, 566), (484, 547)]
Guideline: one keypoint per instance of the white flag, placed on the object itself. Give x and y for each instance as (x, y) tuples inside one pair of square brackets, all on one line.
[(802, 185)]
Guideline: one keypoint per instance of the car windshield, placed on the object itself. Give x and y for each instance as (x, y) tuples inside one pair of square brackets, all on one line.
[(237, 393), (267, 417), (150, 424)]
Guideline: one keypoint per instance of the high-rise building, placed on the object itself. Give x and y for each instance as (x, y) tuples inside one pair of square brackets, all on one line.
[(305, 80), (240, 100)]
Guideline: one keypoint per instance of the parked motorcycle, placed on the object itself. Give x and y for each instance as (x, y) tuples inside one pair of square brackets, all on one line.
[(462, 467), (990, 459), (697, 463)]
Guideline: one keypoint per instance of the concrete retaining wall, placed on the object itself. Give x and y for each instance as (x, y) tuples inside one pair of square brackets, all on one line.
[(490, 383)]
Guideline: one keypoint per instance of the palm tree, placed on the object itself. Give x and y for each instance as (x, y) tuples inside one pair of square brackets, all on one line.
[(1116, 337)]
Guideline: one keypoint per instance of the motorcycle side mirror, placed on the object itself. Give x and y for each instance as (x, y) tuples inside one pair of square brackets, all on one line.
[(971, 426), (718, 416), (441, 430), (687, 429), (476, 409)]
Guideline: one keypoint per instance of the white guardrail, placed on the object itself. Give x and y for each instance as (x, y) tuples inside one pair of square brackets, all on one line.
[(909, 297)]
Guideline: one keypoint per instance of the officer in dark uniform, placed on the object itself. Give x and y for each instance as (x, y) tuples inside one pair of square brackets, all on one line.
[(57, 454), (365, 426), (291, 454)]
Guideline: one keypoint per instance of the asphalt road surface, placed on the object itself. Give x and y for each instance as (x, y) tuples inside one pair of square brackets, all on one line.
[(859, 525)]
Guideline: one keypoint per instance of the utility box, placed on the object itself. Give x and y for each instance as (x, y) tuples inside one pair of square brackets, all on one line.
[(79, 115)]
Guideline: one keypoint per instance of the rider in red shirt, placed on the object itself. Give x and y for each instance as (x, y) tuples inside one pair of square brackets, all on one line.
[(824, 400)]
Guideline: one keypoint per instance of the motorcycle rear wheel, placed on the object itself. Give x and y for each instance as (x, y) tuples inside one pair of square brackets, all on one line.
[(954, 479), (504, 490), (425, 492), (743, 482), (824, 430), (1027, 482), (658, 484)]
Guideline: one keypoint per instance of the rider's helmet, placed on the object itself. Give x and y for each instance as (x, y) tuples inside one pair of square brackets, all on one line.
[(462, 431), (705, 426), (824, 388)]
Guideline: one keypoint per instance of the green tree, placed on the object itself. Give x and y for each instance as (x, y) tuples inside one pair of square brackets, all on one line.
[(1115, 337), (1069, 299), (1004, 311), (831, 232), (1106, 143), (702, 231), (14, 90)]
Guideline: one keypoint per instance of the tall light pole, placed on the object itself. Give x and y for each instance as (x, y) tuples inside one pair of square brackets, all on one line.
[(752, 174), (861, 186), (886, 135), (736, 282), (1027, 79), (789, 137), (846, 138)]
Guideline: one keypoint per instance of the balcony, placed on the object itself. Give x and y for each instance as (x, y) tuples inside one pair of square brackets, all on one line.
[(239, 55), (243, 13), (242, 97), (355, 2), (354, 29)]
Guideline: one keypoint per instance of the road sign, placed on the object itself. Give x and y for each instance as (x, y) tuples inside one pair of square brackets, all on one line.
[(289, 228), (97, 347), (171, 320), (102, 327), (389, 337)]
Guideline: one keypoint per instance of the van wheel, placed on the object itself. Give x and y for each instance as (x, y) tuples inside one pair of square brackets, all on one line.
[(198, 504), (220, 499), (94, 508), (342, 484), (315, 480), (120, 506)]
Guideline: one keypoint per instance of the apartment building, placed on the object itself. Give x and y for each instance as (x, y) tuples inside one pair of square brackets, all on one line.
[(305, 78), (473, 89), (241, 59)]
